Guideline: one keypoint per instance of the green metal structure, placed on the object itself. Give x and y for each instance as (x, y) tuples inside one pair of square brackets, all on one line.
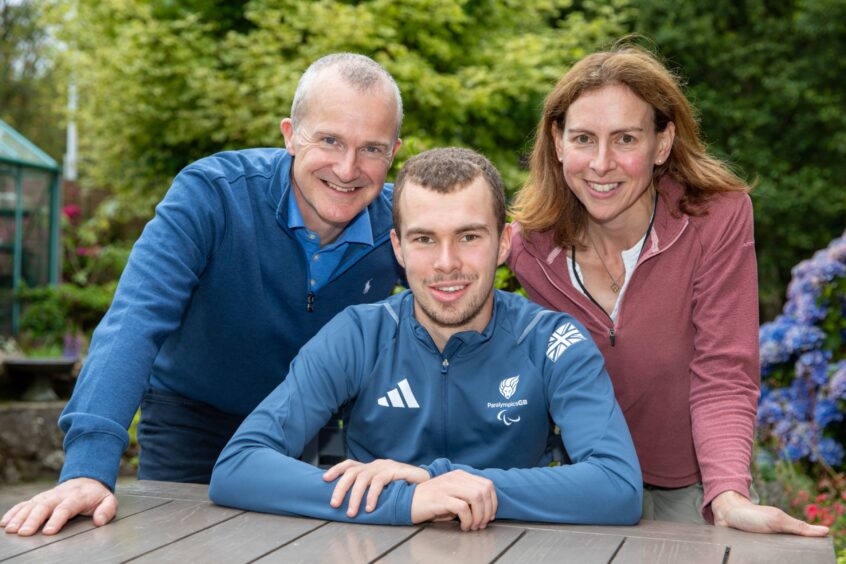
[(29, 222)]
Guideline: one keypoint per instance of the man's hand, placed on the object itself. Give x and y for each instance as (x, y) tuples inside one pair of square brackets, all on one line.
[(79, 496), (455, 494), (357, 477), (733, 510)]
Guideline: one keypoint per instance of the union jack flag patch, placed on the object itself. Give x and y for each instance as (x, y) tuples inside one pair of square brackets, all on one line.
[(561, 340)]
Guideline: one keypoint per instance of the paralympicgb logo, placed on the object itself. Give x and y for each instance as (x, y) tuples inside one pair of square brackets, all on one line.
[(561, 340)]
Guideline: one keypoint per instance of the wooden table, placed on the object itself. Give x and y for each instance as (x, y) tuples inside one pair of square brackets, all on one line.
[(166, 522)]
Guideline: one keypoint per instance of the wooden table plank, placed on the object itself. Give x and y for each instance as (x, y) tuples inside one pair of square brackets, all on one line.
[(341, 542), (536, 547), (12, 545), (446, 542), (743, 554), (823, 547), (133, 536), (241, 539), (169, 490), (659, 551)]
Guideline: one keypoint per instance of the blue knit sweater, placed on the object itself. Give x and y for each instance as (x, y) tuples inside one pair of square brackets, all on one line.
[(213, 303)]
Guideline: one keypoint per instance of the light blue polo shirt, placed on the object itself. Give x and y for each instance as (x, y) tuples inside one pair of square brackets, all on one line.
[(323, 261)]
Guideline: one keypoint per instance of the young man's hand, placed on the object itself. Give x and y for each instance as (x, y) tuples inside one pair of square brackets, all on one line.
[(358, 477), (455, 494), (79, 496)]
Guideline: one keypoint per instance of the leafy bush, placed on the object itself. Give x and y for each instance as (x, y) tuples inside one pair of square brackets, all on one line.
[(803, 364), (52, 312)]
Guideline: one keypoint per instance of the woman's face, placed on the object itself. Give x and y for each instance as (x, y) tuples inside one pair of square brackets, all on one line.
[(608, 149)]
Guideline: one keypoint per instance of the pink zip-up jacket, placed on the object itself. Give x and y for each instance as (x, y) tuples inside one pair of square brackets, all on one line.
[(683, 353)]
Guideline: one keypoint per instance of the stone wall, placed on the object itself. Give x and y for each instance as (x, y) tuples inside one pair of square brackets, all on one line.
[(30, 441)]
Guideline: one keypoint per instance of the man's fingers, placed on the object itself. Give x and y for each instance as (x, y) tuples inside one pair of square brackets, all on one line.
[(61, 515), (106, 511), (20, 517), (377, 484), (461, 509), (357, 492), (339, 469), (10, 514), (346, 481)]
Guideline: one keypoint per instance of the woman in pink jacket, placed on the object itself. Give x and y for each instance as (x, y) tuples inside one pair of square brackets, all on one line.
[(629, 225)]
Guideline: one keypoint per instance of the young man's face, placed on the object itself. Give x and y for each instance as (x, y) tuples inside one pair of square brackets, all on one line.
[(343, 149), (450, 249)]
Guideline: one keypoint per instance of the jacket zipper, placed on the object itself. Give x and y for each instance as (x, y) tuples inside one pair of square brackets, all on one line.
[(444, 370), (611, 333)]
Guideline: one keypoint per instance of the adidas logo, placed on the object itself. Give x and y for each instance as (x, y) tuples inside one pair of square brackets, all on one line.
[(395, 397), (561, 340)]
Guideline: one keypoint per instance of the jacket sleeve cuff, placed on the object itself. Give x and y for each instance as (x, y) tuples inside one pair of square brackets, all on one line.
[(438, 466), (739, 486), (94, 455), (402, 506)]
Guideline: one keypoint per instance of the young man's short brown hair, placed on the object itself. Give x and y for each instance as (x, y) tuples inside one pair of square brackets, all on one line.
[(446, 170)]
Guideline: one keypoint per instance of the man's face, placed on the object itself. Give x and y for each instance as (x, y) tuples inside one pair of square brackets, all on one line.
[(343, 149), (450, 249)]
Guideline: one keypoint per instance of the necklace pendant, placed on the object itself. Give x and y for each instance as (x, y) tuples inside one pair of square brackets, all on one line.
[(615, 288)]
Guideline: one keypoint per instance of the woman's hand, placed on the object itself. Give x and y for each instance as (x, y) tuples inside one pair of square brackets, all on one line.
[(733, 510)]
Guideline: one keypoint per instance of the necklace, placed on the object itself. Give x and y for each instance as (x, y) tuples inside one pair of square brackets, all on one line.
[(615, 284)]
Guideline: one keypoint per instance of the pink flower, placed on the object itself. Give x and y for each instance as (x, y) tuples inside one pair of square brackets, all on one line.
[(88, 251), (71, 211), (811, 512)]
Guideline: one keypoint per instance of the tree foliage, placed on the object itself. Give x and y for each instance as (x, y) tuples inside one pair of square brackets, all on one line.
[(165, 82), (769, 80), (29, 92)]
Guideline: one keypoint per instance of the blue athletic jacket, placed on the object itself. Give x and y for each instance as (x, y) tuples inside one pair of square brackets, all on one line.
[(484, 405), (213, 303)]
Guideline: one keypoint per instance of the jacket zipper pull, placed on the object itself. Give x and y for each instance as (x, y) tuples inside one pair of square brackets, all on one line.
[(611, 334), (310, 302), (444, 366)]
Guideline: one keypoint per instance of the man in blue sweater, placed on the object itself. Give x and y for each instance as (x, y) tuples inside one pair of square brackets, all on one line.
[(451, 389), (249, 255)]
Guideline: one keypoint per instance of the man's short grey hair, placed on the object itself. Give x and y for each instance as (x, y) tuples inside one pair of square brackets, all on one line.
[(359, 71)]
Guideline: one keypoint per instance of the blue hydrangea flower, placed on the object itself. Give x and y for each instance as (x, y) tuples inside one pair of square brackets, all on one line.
[(795, 416), (830, 450)]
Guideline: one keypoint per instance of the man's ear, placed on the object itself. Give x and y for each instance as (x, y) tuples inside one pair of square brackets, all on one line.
[(504, 245), (397, 144), (395, 243), (286, 126)]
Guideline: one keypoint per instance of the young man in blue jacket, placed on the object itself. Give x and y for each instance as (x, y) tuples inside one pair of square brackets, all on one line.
[(451, 389), (249, 255)]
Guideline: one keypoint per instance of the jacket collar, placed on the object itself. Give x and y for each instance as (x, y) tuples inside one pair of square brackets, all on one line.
[(463, 341)]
